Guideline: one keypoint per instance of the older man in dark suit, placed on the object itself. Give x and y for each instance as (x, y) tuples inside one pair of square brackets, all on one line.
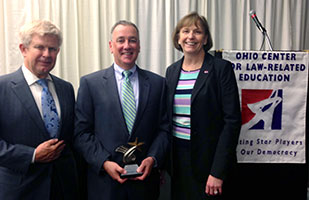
[(36, 122), (106, 121)]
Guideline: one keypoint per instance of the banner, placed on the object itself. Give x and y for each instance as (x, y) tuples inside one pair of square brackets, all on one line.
[(273, 95)]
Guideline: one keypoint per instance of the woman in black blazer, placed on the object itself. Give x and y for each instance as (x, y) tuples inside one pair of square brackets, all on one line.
[(204, 113)]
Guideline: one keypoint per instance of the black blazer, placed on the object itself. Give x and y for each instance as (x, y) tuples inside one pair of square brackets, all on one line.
[(215, 116)]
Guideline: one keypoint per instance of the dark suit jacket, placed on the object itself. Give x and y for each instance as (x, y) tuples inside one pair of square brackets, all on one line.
[(21, 131), (100, 126), (215, 116)]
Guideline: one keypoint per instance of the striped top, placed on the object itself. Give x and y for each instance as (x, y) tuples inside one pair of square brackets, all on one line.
[(182, 104)]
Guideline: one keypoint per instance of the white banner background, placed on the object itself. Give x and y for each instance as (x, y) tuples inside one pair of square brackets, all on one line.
[(273, 94)]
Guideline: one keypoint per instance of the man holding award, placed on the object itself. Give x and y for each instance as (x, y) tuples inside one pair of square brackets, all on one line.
[(121, 123)]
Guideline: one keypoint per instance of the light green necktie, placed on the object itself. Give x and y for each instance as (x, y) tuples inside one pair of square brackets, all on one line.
[(128, 101)]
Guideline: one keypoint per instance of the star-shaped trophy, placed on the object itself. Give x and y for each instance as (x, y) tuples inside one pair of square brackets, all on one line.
[(129, 158)]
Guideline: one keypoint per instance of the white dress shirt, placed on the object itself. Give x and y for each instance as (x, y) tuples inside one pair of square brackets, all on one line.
[(133, 79), (36, 91)]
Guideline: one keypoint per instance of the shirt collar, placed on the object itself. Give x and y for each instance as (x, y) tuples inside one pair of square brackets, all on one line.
[(30, 77), (119, 70)]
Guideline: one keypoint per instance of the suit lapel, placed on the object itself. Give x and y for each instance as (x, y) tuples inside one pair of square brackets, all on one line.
[(174, 78), (109, 82), (204, 73), (144, 88), (61, 93), (23, 93)]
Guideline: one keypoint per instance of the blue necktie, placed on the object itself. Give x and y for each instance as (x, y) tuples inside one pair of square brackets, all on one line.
[(50, 115), (128, 101)]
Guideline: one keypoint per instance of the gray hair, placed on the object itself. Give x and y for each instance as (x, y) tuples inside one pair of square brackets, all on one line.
[(41, 28), (124, 23)]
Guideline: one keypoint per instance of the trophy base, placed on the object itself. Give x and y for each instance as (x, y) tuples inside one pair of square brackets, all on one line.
[(131, 171)]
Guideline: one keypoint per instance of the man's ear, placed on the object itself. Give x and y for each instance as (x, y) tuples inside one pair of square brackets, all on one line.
[(110, 46), (23, 49)]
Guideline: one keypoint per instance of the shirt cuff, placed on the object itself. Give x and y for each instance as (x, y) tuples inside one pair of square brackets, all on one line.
[(155, 162), (33, 156)]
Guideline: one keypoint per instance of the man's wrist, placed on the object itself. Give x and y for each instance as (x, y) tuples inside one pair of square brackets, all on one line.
[(155, 163)]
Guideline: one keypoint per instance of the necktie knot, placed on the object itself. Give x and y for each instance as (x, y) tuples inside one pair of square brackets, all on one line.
[(43, 83), (127, 74)]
